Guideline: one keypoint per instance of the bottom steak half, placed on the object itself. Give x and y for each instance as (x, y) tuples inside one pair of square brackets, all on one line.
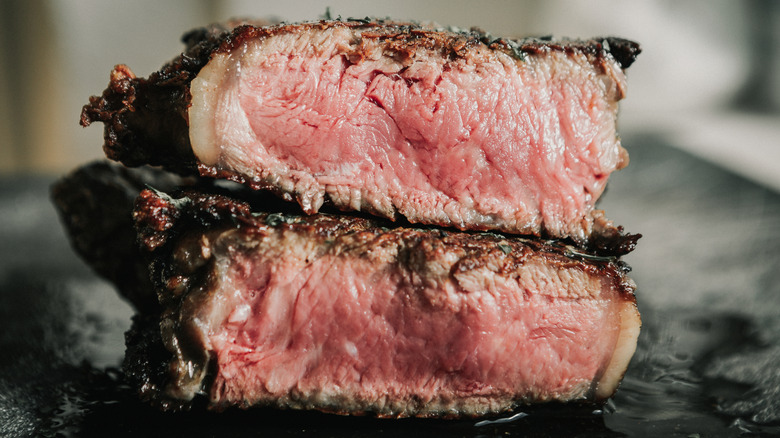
[(341, 314)]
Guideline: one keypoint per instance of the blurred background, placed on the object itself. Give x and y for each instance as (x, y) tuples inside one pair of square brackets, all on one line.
[(709, 76)]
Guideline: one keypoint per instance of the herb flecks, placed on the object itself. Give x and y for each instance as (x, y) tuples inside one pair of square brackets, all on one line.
[(176, 203), (276, 219)]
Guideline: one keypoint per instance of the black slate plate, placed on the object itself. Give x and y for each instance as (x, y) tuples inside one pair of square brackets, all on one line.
[(708, 361)]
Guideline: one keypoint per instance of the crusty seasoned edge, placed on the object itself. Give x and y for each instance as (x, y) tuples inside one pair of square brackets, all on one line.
[(146, 120), (174, 227)]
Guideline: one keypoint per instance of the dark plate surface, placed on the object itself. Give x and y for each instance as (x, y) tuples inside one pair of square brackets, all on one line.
[(708, 361)]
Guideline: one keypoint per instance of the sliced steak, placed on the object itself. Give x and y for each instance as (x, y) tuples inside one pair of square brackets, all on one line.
[(456, 129), (342, 314)]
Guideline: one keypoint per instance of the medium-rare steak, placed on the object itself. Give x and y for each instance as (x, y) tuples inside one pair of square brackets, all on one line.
[(447, 128), (342, 314)]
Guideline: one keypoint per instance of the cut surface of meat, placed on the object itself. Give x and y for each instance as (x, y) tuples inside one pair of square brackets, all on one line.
[(342, 314), (346, 314), (444, 128)]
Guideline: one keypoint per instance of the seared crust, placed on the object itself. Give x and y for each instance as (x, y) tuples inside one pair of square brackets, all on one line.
[(145, 120), (146, 362), (159, 219), (404, 39)]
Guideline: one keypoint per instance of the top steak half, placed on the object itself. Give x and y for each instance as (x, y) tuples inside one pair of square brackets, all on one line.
[(447, 128)]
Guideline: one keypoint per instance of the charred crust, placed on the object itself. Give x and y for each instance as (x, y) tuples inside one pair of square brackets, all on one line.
[(154, 216), (145, 121), (405, 38), (624, 51), (612, 242), (145, 365)]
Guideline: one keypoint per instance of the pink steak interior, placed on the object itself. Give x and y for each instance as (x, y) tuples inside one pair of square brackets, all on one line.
[(317, 332)]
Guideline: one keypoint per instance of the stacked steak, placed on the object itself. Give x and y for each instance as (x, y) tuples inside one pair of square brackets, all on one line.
[(443, 255)]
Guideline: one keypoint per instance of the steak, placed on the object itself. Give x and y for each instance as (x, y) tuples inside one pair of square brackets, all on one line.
[(343, 314), (440, 127), (347, 314)]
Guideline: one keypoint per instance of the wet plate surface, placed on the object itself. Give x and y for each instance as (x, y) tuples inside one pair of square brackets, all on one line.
[(708, 361)]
